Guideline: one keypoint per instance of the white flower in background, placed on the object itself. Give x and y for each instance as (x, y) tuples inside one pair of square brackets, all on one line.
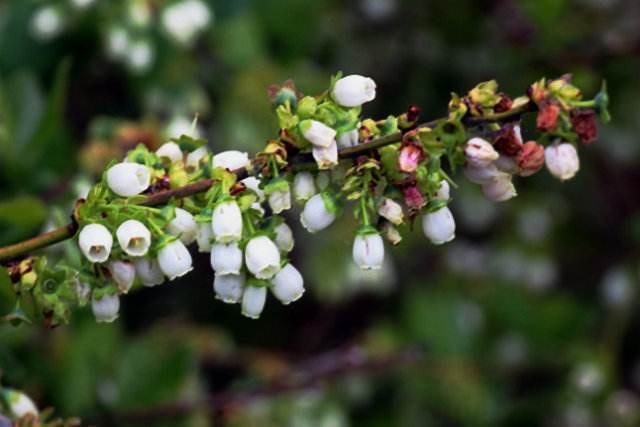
[(323, 179), (316, 215), (354, 90), (480, 152), (288, 284), (95, 242), (562, 160), (183, 226), (139, 55), (123, 274), (325, 157), (439, 226), (303, 186), (229, 287), (444, 191), (128, 179), (280, 199), (253, 300), (317, 133), (204, 236), (482, 174), (262, 257), (499, 189), (284, 237), (185, 19), (195, 157), (134, 237), (139, 12), (148, 271), (20, 404), (47, 22), (253, 184), (106, 309), (82, 4), (180, 125), (226, 258), (348, 139), (117, 42), (83, 292), (231, 159), (171, 151), (226, 222), (368, 251), (175, 260), (391, 210)]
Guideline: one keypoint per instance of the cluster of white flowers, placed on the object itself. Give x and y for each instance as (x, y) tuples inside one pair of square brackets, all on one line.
[(487, 168)]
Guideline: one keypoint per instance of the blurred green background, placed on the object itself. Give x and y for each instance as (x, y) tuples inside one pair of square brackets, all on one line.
[(528, 318)]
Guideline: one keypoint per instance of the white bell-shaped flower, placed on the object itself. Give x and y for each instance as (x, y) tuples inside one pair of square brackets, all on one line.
[(128, 179), (480, 152), (148, 271), (262, 257), (204, 236), (231, 159), (106, 309), (368, 251), (288, 284), (316, 215), (253, 184), (284, 237), (444, 191), (348, 139), (20, 404), (303, 186), (499, 189), (134, 237), (175, 260), (439, 226), (95, 242), (391, 211), (170, 151), (123, 274), (562, 160), (195, 158), (482, 174), (354, 90), (317, 133), (325, 157), (183, 226), (226, 222), (253, 299), (226, 258), (280, 200), (229, 287)]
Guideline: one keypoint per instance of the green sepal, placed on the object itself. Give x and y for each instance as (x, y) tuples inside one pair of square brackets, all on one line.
[(163, 241), (278, 184), (188, 143), (258, 283), (330, 202), (365, 230), (602, 103), (168, 213), (306, 108), (245, 200), (389, 126), (204, 216), (435, 205), (286, 119)]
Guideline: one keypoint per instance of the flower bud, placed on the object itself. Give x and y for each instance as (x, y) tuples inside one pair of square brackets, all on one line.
[(562, 160), (482, 175), (391, 233), (20, 404), (253, 300), (347, 139), (253, 184), (226, 222), (411, 154), (480, 153), (128, 179), (508, 140), (368, 251), (196, 157), (584, 124), (95, 242), (204, 236), (280, 200), (134, 237), (83, 292), (262, 257), (548, 116), (316, 215), (231, 160), (175, 260), (229, 287), (303, 186), (106, 309), (413, 198), (171, 151), (354, 90), (226, 258), (391, 210), (439, 226), (148, 271), (183, 226), (443, 192), (317, 133), (288, 284), (530, 159), (499, 189), (325, 157), (284, 237), (123, 273)]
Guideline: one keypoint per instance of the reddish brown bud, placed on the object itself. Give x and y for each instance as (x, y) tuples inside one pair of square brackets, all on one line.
[(504, 104), (548, 117), (531, 158), (413, 198), (584, 124), (508, 140), (411, 154)]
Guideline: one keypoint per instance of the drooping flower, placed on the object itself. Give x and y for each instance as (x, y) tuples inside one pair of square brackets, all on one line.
[(106, 309), (482, 175), (548, 116), (562, 160), (226, 258), (280, 197), (288, 284), (95, 242), (411, 154), (226, 222), (391, 233), (391, 211), (284, 237), (204, 236), (303, 186), (253, 300), (479, 153), (171, 151), (443, 192), (354, 90), (347, 139), (253, 184), (148, 271), (229, 287), (128, 179), (439, 226), (500, 188), (123, 274), (325, 157), (175, 260), (368, 250), (317, 133), (183, 226), (262, 257), (318, 213), (530, 159), (134, 237), (195, 158), (231, 160)]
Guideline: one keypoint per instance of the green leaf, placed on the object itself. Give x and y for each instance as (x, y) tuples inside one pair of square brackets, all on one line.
[(26, 212)]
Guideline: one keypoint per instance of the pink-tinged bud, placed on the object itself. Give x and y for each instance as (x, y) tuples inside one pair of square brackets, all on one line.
[(391, 210), (481, 175), (508, 140), (548, 115), (413, 198), (531, 158), (479, 152), (584, 125), (411, 154), (562, 160), (499, 189), (391, 233)]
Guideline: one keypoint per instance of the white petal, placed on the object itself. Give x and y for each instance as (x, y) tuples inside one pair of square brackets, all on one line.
[(226, 258), (184, 226), (439, 226), (354, 90), (128, 179), (95, 242), (148, 271), (226, 222), (229, 287), (134, 237), (288, 284), (368, 251), (106, 309), (253, 300), (284, 237), (315, 216), (175, 260), (262, 257), (171, 151), (231, 159)]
